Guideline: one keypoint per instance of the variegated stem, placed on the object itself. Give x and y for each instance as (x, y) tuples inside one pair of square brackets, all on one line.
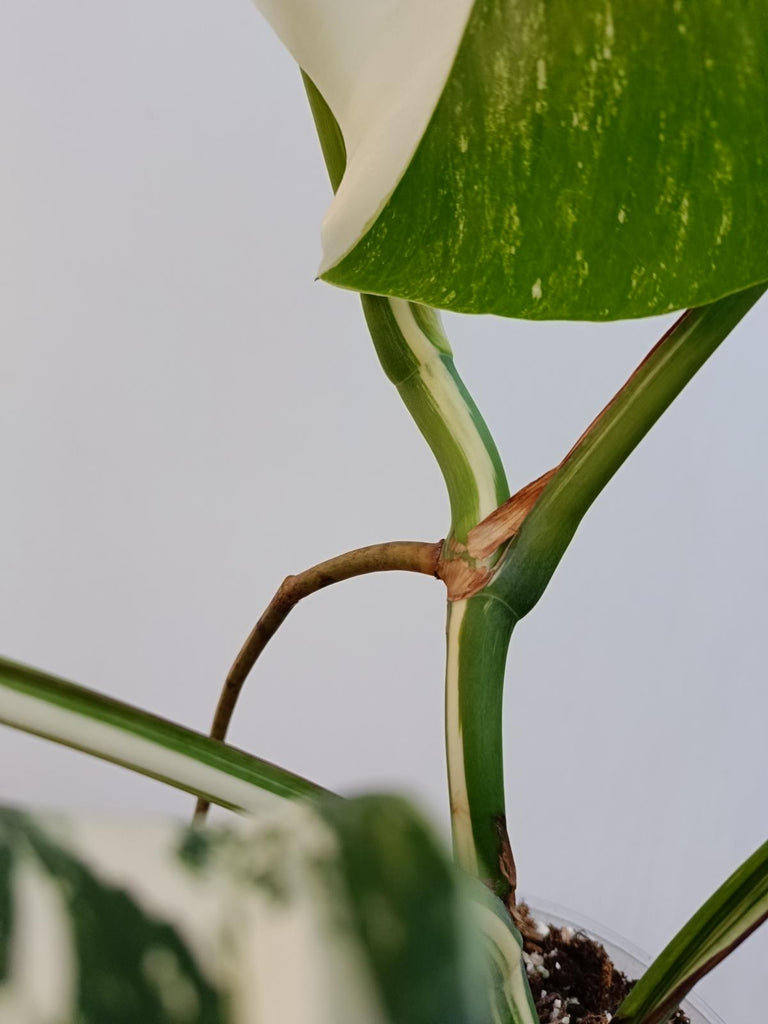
[(417, 358), (45, 706), (510, 996), (479, 630)]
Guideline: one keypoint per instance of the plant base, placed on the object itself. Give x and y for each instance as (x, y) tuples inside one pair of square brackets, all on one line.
[(573, 979)]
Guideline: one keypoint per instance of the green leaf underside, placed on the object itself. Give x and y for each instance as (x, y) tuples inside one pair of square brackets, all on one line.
[(138, 735), (726, 919), (328, 133), (587, 160)]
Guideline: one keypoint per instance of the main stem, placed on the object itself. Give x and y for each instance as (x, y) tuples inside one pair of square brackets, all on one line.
[(416, 356), (536, 526)]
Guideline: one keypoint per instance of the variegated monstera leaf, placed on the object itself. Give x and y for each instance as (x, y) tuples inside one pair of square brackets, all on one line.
[(577, 159), (334, 912)]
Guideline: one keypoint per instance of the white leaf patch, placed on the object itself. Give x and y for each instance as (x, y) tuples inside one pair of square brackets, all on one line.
[(381, 66)]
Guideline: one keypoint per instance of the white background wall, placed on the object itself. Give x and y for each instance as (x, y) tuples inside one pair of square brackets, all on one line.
[(185, 417)]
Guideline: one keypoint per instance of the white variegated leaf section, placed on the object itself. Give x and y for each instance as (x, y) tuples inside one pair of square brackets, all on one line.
[(122, 746), (381, 65), (42, 936), (264, 918)]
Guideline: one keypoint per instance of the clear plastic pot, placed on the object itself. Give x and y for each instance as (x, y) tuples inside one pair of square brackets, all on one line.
[(626, 957)]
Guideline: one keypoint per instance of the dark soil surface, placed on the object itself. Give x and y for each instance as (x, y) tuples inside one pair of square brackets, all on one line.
[(572, 978)]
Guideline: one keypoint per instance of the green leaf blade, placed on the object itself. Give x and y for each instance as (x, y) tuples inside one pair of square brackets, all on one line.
[(586, 160)]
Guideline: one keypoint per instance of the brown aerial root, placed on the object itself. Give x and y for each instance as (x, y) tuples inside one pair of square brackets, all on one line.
[(408, 556)]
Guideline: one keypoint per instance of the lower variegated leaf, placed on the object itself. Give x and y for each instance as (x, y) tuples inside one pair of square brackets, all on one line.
[(130, 965), (319, 913), (738, 907), (57, 710)]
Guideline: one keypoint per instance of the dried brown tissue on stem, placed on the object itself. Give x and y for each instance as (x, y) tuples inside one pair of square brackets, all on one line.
[(405, 556), (518, 912), (463, 567)]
